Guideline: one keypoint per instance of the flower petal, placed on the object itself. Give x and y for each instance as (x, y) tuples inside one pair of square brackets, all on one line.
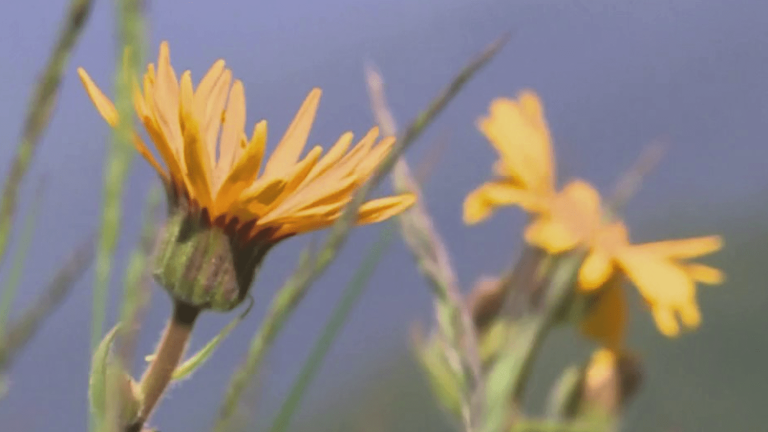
[(665, 321), (684, 248), (481, 202), (550, 235), (519, 133), (214, 110), (704, 274), (144, 151), (291, 145), (165, 101), (659, 280), (102, 102), (333, 156), (245, 171), (234, 125), (196, 158), (384, 208), (606, 320), (595, 270)]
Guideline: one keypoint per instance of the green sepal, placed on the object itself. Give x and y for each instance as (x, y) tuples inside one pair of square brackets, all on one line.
[(205, 265)]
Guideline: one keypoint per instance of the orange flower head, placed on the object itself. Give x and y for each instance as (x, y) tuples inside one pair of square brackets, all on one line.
[(213, 171)]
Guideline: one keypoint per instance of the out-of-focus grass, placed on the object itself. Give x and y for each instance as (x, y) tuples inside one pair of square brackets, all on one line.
[(119, 157), (11, 283), (39, 114), (36, 121), (349, 299)]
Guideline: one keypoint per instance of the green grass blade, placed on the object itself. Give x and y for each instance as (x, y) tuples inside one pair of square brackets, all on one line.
[(349, 299), (136, 281), (295, 288), (11, 286), (119, 158), (39, 114)]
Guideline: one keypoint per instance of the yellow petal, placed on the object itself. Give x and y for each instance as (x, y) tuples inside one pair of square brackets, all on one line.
[(245, 171), (186, 96), (375, 157), (329, 210), (384, 208), (293, 179), (665, 321), (102, 103), (333, 156), (606, 320), (291, 145), (661, 282), (166, 100), (690, 315), (234, 124), (684, 248), (704, 274), (519, 133), (481, 202), (581, 199), (350, 162), (196, 158), (300, 171), (595, 271), (213, 114), (205, 88), (144, 151), (550, 235), (321, 193), (263, 193), (165, 150)]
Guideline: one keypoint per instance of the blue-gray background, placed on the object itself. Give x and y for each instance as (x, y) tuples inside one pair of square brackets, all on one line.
[(614, 75)]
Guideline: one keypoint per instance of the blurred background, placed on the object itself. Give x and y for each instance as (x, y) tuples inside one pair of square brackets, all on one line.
[(614, 76)]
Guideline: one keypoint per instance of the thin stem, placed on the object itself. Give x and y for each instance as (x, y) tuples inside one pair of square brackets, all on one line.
[(169, 352)]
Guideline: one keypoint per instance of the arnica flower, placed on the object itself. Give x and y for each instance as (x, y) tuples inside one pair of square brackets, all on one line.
[(226, 211), (573, 217)]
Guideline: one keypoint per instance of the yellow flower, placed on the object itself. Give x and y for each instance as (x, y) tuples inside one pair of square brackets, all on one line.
[(573, 217), (200, 135), (664, 279), (525, 170), (213, 170)]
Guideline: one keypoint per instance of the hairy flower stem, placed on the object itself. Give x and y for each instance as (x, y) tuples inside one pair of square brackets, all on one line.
[(169, 351)]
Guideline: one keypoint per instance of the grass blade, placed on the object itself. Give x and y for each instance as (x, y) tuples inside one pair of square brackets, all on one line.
[(17, 268), (119, 158), (39, 113), (349, 299)]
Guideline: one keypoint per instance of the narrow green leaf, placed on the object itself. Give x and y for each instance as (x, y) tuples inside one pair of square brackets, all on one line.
[(97, 382), (509, 373), (200, 357)]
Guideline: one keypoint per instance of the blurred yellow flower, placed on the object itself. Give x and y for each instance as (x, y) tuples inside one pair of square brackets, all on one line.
[(213, 168), (573, 217), (525, 170)]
